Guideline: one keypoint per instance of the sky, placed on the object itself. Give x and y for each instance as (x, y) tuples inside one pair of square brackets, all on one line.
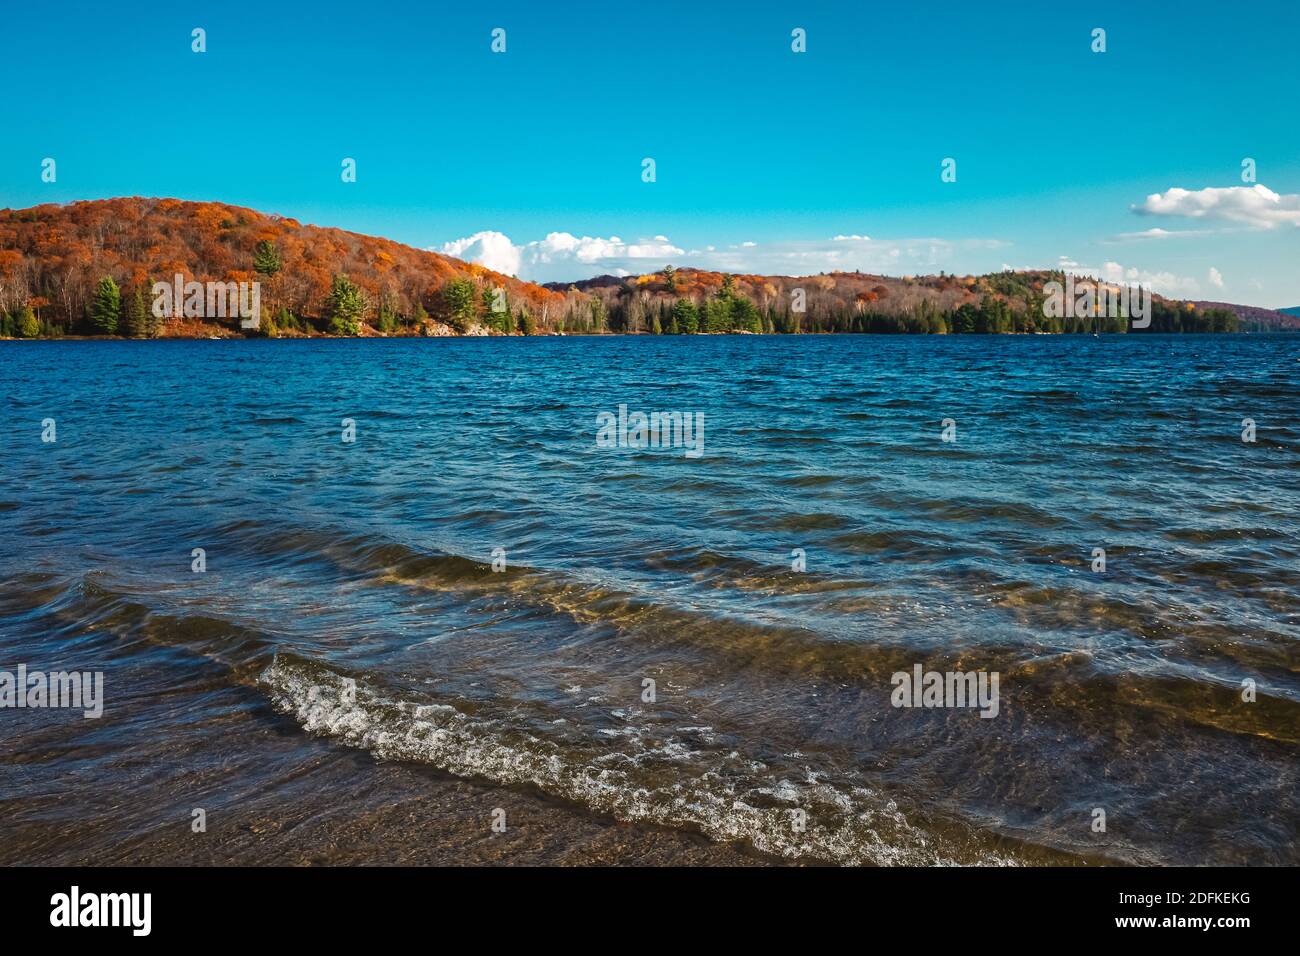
[(1126, 163)]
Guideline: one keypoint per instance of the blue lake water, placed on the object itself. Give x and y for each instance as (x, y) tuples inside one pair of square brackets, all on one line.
[(702, 644)]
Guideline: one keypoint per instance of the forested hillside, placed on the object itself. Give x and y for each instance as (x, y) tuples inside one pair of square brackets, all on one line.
[(689, 300), (88, 268), (53, 260)]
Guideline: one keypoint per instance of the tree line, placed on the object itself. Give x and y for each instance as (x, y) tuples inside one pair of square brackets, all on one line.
[(88, 269)]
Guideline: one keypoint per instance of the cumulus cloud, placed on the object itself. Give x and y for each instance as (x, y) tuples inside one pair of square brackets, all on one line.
[(1216, 278), (563, 257), (1255, 206), (492, 249)]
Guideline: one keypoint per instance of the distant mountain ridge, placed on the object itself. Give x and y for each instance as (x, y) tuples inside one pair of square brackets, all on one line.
[(1255, 319)]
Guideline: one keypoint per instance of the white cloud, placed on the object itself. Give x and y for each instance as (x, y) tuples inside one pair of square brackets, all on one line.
[(563, 257), (1216, 278), (1158, 233), (1256, 206), (492, 249), (1165, 283)]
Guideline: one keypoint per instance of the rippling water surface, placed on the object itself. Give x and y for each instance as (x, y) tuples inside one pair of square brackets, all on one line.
[(371, 562)]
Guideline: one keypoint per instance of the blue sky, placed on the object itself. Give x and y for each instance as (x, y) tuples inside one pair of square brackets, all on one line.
[(1055, 145)]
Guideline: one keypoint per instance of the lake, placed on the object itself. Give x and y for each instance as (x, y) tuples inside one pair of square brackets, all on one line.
[(400, 600)]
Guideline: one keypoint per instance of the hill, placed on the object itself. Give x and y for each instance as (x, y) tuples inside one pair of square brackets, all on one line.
[(675, 300), (89, 268), (52, 258), (1253, 319)]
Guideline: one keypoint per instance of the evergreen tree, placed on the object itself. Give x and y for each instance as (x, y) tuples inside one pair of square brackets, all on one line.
[(286, 320), (27, 327), (106, 308), (744, 315), (963, 320), (387, 313), (346, 307), (685, 317), (496, 310), (152, 323), (598, 314), (137, 324), (716, 316), (266, 258), (418, 315), (458, 299)]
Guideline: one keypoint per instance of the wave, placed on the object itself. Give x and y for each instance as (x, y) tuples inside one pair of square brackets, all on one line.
[(722, 794)]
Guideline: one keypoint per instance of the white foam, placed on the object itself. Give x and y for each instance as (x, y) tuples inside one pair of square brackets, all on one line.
[(726, 795)]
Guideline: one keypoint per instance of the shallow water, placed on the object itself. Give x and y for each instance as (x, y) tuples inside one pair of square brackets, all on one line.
[(371, 562)]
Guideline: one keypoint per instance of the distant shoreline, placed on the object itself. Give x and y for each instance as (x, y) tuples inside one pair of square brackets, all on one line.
[(236, 337), (136, 267)]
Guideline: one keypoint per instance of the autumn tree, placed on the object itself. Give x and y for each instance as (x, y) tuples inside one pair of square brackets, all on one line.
[(106, 307), (346, 307)]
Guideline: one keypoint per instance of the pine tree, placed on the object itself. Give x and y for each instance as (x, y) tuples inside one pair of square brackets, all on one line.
[(387, 312), (152, 323), (346, 307), (458, 299), (266, 258), (137, 324), (685, 317), (598, 314), (106, 308), (744, 315), (496, 309)]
